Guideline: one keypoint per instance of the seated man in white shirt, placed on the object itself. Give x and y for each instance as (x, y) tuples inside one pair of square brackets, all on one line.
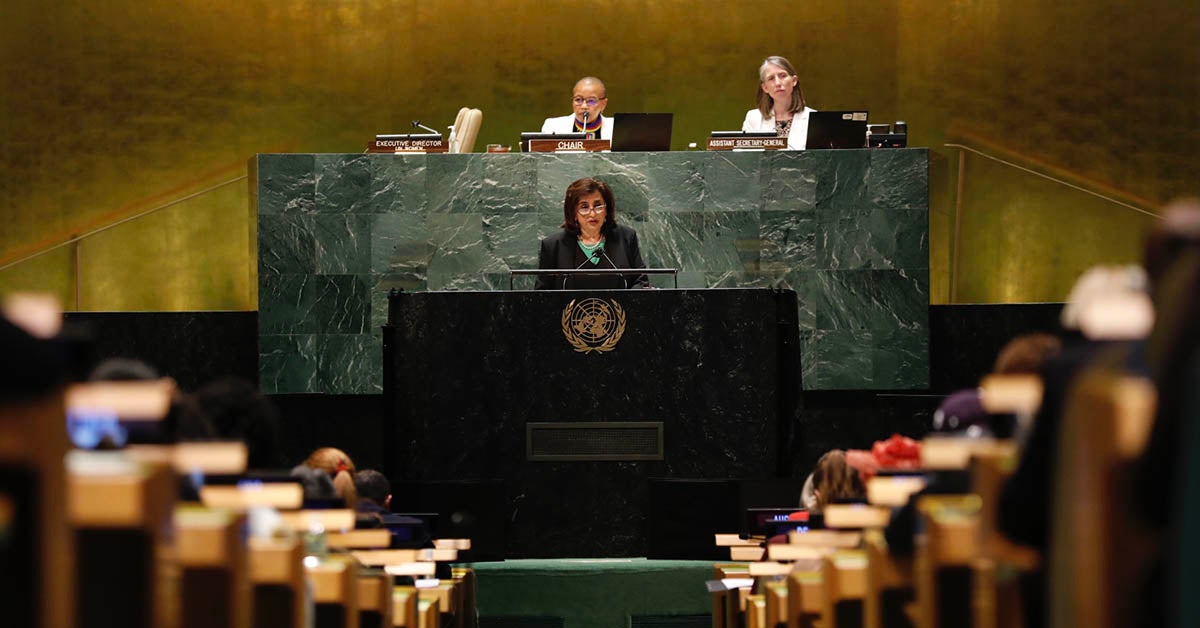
[(589, 101)]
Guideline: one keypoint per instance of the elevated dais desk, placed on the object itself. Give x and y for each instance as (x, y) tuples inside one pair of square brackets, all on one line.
[(846, 230), (565, 403)]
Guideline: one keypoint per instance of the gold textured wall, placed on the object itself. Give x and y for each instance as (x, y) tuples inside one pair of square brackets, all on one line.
[(117, 108)]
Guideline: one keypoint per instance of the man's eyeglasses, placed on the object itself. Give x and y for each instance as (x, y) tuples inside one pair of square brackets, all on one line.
[(590, 102), (584, 210)]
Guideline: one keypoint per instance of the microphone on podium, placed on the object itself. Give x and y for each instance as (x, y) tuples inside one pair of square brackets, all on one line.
[(585, 261), (417, 125), (586, 135)]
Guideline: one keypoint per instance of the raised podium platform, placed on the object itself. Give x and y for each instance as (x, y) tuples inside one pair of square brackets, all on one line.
[(565, 405), (846, 230)]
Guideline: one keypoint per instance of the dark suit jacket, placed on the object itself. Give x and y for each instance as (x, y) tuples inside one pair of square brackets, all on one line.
[(561, 250)]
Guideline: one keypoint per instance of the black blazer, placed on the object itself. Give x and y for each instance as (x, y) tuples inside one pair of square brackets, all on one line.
[(561, 250)]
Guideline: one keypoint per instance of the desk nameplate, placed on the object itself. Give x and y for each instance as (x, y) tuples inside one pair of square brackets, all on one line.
[(569, 146), (747, 143), (408, 146)]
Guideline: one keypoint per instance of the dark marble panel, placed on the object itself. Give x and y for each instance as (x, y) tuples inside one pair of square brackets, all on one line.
[(461, 222), (510, 184), (898, 181), (192, 347), (675, 182), (351, 362), (792, 182), (901, 356), (397, 183), (702, 241), (286, 245), (556, 172), (512, 238), (841, 178), (343, 183), (735, 181), (788, 240), (705, 363), (454, 183), (299, 362), (287, 363), (352, 423), (837, 359), (964, 340), (314, 304), (401, 243), (856, 419), (841, 297), (626, 174), (460, 256), (342, 242), (854, 239), (286, 183), (871, 299)]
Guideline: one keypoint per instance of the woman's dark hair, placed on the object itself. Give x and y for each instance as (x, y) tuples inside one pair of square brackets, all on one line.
[(575, 191)]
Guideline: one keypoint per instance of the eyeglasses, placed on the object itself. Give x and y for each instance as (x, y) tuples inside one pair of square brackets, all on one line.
[(584, 210), (591, 102)]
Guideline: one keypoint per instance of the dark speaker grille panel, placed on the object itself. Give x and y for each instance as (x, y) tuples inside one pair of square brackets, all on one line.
[(632, 440)]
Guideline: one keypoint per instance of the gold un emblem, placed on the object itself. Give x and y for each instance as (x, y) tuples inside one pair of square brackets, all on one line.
[(593, 324)]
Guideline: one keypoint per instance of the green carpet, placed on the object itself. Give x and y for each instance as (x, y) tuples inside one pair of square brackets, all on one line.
[(592, 592)]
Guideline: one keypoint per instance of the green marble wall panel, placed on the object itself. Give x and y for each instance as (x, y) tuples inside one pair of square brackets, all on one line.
[(847, 230)]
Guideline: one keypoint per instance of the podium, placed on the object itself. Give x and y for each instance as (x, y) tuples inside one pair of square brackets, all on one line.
[(566, 403)]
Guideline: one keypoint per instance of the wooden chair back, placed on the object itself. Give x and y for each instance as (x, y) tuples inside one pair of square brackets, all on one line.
[(889, 582), (121, 510), (946, 547), (213, 564), (1095, 548), (277, 576), (33, 509), (845, 574), (806, 595)]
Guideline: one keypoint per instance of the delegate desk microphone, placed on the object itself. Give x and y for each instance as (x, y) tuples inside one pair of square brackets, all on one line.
[(417, 125)]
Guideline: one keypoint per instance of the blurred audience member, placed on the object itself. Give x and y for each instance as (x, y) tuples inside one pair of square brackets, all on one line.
[(237, 410), (340, 468), (318, 486), (374, 492), (834, 481), (1110, 310), (963, 411), (185, 420), (1106, 319), (1026, 354)]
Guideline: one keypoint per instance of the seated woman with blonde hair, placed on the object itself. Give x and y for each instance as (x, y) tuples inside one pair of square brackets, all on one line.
[(340, 469), (781, 106)]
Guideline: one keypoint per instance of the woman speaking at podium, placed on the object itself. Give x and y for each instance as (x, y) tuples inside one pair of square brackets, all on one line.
[(781, 106), (590, 239)]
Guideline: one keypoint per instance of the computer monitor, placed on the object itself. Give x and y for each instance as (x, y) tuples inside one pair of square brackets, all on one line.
[(562, 137), (641, 132), (836, 129)]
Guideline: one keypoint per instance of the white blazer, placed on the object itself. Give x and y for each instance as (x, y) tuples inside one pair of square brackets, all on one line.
[(797, 136), (566, 124)]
